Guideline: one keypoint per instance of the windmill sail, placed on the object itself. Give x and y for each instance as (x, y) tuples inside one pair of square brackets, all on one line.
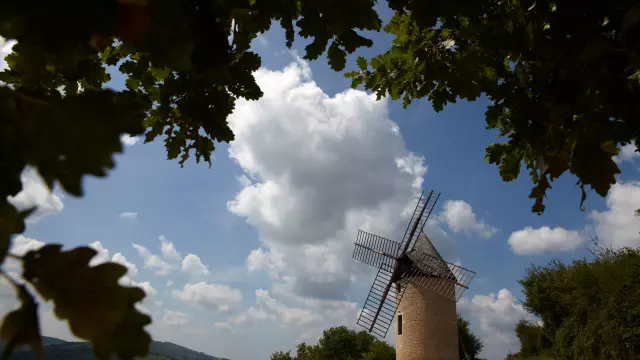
[(381, 304), (421, 214), (375, 250)]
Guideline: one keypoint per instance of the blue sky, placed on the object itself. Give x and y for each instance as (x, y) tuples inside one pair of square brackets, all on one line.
[(256, 249)]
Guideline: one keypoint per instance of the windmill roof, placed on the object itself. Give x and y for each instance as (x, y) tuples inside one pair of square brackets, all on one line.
[(425, 256)]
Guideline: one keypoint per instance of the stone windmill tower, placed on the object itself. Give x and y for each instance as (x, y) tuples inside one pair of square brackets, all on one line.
[(415, 286)]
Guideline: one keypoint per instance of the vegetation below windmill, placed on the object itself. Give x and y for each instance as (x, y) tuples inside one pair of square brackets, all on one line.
[(56, 349), (590, 309), (534, 342), (341, 343), (563, 78), (470, 344)]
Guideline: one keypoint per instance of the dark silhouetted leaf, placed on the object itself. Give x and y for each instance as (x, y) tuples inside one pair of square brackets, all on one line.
[(96, 307), (22, 327)]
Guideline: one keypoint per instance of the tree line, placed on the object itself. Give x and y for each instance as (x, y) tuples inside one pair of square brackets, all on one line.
[(342, 343), (589, 309)]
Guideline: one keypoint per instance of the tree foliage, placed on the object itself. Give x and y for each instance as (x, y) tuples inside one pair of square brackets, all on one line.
[(341, 343), (590, 309), (534, 340), (470, 344), (562, 77), (186, 63)]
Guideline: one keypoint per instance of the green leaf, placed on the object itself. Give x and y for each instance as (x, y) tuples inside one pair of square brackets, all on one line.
[(160, 74), (337, 57), (132, 83), (22, 326), (96, 307), (362, 63), (64, 145), (610, 148)]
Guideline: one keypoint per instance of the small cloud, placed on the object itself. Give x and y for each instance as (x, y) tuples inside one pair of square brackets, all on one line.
[(132, 269), (169, 251), (146, 286), (20, 245), (194, 266), (214, 297), (252, 315), (627, 153), (35, 193), (129, 140), (6, 48), (536, 241), (175, 318), (459, 216), (152, 261), (101, 257), (128, 215)]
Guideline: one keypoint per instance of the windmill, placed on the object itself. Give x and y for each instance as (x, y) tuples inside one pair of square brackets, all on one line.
[(425, 293)]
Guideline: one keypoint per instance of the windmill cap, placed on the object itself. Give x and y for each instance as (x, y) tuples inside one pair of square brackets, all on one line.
[(423, 255)]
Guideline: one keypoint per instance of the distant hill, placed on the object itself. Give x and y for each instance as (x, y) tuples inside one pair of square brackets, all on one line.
[(56, 349)]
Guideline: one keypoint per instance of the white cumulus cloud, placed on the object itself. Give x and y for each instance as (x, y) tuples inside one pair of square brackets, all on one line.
[(145, 285), (175, 318), (270, 261), (627, 153), (152, 261), (129, 140), (102, 253), (618, 226), (497, 315), (284, 315), (132, 269), (36, 193), (6, 47), (214, 297), (459, 216), (252, 315), (536, 241), (20, 245), (320, 168), (169, 251), (194, 266)]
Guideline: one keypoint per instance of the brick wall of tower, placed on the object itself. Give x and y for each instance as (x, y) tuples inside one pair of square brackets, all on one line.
[(429, 330)]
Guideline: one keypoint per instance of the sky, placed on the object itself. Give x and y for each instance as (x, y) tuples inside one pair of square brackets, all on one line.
[(257, 248)]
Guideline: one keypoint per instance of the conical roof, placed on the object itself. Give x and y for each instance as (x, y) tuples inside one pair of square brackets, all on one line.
[(425, 257)]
